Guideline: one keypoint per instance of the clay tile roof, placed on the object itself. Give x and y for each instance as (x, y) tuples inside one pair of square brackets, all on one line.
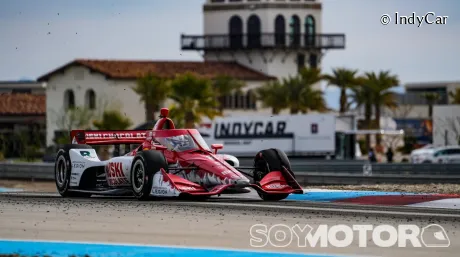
[(22, 104), (126, 69)]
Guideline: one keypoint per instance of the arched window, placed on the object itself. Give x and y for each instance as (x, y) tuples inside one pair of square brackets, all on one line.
[(235, 31), (310, 31), (237, 99), (250, 100), (294, 26), (90, 99), (69, 99), (228, 101), (254, 31), (280, 31)]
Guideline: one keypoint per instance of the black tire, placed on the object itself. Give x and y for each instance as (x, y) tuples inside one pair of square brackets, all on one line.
[(150, 162), (266, 161), (63, 171), (270, 160)]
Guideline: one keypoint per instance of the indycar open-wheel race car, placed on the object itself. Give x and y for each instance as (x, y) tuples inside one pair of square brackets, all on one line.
[(166, 162)]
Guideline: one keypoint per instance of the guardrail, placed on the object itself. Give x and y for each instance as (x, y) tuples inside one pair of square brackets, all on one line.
[(332, 173)]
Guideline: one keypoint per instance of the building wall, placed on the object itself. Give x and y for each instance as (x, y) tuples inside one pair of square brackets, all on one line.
[(22, 87), (446, 125), (108, 93), (216, 22), (278, 63), (402, 111)]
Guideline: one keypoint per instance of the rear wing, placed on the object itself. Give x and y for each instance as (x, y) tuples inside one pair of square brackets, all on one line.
[(108, 137)]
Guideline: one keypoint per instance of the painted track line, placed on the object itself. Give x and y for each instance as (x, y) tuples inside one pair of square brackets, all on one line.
[(97, 249), (284, 206)]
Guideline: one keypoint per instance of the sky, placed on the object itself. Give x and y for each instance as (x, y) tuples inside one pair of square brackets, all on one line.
[(38, 36)]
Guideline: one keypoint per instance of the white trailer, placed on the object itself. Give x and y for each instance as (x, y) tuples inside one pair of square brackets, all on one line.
[(297, 135)]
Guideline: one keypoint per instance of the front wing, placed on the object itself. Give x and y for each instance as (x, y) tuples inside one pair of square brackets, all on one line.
[(170, 185)]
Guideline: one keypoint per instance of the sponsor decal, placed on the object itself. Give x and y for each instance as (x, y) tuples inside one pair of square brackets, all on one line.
[(78, 165), (117, 135), (159, 191), (186, 188), (115, 175), (87, 154), (252, 129), (275, 186), (314, 128)]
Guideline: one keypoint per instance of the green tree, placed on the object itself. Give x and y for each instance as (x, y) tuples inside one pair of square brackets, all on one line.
[(296, 93), (311, 99), (431, 99), (79, 117), (302, 97), (153, 90), (194, 99), (361, 97), (111, 120), (225, 85), (381, 95), (455, 96), (344, 79), (272, 95)]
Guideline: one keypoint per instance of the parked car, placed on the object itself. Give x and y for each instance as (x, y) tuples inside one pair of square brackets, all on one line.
[(446, 154), (421, 154)]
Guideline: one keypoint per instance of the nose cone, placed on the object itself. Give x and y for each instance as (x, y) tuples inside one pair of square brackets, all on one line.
[(243, 182)]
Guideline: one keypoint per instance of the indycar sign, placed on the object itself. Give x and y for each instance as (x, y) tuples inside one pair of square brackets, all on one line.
[(312, 134)]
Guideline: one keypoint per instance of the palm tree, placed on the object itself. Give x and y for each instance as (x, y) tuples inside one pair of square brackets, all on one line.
[(380, 85), (299, 89), (153, 90), (225, 85), (455, 96), (194, 99), (272, 95), (344, 79), (361, 96), (111, 120), (431, 99)]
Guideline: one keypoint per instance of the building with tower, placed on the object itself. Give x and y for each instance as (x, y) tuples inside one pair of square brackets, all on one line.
[(276, 37), (252, 41)]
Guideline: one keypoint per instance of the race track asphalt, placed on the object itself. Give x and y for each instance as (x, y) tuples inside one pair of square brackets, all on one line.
[(214, 223)]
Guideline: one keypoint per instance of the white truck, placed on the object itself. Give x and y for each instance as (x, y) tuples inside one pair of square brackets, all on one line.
[(297, 135)]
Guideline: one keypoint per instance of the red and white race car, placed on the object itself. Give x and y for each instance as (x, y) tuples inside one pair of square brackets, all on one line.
[(166, 162)]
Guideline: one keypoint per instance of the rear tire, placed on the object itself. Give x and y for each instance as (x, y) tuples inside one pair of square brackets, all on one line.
[(266, 161), (144, 167), (63, 171)]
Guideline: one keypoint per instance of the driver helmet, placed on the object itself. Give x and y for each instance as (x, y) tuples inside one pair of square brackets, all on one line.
[(179, 142)]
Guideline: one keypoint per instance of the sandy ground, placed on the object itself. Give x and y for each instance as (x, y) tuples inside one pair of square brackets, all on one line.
[(36, 186), (130, 221), (422, 188), (46, 186)]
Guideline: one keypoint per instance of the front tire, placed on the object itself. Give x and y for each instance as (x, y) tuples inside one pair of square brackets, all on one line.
[(266, 161), (144, 167), (63, 171)]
